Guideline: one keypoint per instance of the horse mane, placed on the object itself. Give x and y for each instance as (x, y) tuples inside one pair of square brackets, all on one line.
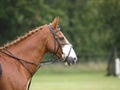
[(19, 39)]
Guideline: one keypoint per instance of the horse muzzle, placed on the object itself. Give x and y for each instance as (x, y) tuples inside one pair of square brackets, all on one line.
[(70, 61), (69, 55)]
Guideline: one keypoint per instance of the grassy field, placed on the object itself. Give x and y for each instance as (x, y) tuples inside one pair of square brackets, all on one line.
[(74, 78)]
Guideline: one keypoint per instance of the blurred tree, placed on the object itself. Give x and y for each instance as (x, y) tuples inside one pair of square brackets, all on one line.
[(91, 25), (109, 13)]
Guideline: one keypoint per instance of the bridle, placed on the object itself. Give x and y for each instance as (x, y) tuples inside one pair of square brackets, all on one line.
[(56, 39)]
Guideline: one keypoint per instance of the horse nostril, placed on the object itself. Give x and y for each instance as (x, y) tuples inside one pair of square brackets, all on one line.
[(75, 58)]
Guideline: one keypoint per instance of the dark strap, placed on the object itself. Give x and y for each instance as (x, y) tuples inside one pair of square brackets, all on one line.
[(66, 59), (31, 78), (0, 71), (55, 39), (18, 59), (29, 84), (13, 56)]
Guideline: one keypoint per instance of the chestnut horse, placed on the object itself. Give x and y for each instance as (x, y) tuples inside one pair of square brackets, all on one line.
[(20, 59)]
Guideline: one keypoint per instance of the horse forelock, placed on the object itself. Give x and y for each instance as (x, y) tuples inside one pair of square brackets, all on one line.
[(21, 38)]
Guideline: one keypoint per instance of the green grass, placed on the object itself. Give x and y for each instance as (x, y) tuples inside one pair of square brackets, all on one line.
[(73, 78)]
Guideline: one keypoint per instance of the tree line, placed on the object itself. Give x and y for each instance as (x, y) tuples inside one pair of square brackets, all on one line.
[(90, 25)]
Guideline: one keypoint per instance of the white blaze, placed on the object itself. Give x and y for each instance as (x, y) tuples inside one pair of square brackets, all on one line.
[(68, 51)]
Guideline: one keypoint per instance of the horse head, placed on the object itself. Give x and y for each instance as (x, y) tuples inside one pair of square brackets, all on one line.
[(59, 45)]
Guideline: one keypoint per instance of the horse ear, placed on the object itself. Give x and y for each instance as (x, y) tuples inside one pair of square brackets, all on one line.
[(55, 22)]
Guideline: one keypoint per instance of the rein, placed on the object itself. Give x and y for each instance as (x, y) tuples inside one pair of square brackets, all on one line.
[(10, 54)]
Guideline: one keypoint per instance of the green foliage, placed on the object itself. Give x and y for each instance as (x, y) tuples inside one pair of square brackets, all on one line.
[(91, 25)]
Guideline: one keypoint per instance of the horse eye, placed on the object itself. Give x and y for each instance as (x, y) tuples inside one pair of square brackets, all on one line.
[(61, 38)]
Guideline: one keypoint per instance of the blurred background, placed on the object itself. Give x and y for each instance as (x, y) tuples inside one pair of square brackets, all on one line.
[(92, 26)]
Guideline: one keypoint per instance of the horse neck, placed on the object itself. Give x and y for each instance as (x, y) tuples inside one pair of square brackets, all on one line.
[(31, 48)]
